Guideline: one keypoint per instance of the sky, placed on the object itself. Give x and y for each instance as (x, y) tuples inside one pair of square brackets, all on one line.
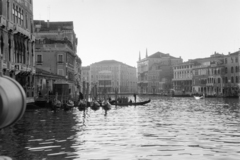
[(122, 29)]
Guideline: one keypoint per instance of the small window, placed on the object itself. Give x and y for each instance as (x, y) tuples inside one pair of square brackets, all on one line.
[(226, 79), (60, 58), (60, 72), (39, 58)]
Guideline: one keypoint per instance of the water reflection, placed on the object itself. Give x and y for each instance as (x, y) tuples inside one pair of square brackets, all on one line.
[(168, 128)]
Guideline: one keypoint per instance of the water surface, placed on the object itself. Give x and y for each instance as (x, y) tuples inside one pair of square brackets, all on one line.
[(167, 128)]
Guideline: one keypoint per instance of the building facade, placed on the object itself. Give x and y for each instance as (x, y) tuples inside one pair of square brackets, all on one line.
[(200, 76), (17, 43), (56, 52), (155, 73), (111, 76)]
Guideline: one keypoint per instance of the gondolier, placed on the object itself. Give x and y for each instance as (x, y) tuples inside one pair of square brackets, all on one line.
[(134, 95)]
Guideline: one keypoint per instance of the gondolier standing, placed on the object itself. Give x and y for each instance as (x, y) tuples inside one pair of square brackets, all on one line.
[(134, 95)]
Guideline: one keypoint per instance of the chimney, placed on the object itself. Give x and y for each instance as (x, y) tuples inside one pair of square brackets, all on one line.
[(47, 23)]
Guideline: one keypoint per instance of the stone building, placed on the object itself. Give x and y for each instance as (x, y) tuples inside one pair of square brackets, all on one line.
[(112, 76), (56, 45), (85, 76), (208, 76), (182, 78), (17, 43), (155, 73), (232, 74), (199, 76)]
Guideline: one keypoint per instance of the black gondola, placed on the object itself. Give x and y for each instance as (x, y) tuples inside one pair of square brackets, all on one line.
[(130, 104)]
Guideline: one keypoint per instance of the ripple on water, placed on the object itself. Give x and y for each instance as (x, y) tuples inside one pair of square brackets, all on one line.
[(168, 128)]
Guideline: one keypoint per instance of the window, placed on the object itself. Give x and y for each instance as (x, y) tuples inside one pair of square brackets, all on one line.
[(226, 70), (236, 59), (39, 58), (231, 69), (226, 79), (22, 18), (13, 13), (19, 15), (60, 58), (60, 72), (26, 21), (8, 10), (225, 60), (236, 79), (236, 69), (219, 80), (16, 14), (232, 80)]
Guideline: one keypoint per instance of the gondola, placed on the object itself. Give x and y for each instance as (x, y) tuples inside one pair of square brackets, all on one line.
[(69, 105), (106, 105), (94, 105), (82, 105), (130, 104)]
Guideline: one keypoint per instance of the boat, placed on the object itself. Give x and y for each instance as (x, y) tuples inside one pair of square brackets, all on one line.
[(198, 97), (82, 105), (130, 103), (94, 105), (69, 105), (106, 105)]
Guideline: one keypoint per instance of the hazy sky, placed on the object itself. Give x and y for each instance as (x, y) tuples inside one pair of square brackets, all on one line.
[(120, 29)]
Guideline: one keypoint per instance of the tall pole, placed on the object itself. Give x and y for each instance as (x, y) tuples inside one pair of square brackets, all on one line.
[(84, 90), (1, 65), (87, 94)]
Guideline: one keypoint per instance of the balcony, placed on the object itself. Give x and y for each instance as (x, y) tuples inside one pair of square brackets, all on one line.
[(39, 62), (3, 22)]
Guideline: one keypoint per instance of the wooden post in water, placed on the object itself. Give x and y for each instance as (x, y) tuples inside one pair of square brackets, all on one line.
[(84, 94), (87, 91)]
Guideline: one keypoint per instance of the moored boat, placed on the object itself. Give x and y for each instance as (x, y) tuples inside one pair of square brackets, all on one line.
[(82, 105), (130, 103), (94, 105), (106, 105)]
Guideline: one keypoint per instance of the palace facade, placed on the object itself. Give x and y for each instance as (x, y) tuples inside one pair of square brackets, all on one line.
[(17, 43)]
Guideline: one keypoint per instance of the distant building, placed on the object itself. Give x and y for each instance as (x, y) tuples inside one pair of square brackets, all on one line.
[(56, 45), (17, 43), (155, 73), (232, 74), (208, 75), (85, 74), (200, 76), (182, 77), (112, 76)]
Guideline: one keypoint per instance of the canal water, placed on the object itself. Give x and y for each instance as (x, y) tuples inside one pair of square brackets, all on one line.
[(167, 128)]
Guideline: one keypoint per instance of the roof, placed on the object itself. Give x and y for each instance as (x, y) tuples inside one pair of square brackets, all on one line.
[(106, 62), (160, 55), (46, 26)]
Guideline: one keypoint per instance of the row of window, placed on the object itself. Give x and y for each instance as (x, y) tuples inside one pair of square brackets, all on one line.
[(183, 67), (18, 15), (40, 58)]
